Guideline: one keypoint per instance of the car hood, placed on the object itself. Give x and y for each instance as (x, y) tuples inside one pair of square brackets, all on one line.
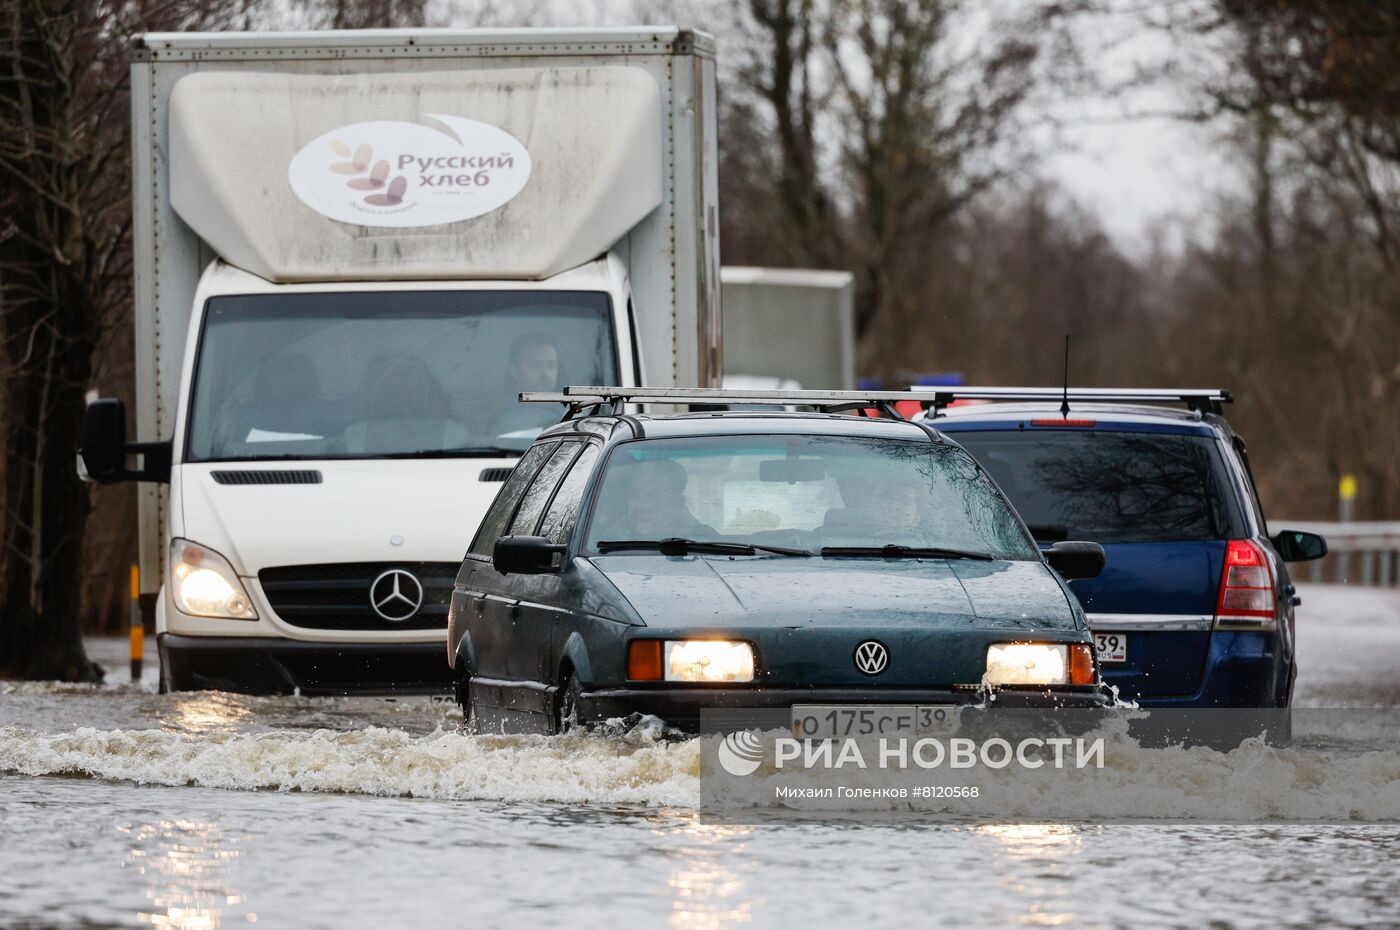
[(708, 591)]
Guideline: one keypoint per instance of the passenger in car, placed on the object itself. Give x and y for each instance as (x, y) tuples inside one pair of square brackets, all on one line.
[(894, 516), (655, 505)]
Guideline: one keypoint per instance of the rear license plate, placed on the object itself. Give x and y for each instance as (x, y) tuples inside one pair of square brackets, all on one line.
[(824, 721), (1111, 647)]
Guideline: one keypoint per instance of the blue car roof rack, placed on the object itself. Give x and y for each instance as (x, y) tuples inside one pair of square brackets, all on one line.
[(1202, 400)]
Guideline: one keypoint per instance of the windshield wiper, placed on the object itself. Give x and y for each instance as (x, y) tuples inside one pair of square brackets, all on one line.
[(906, 552), (466, 452), (676, 545)]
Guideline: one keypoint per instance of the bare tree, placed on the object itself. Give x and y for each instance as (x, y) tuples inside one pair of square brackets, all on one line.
[(777, 73), (883, 122), (64, 274), (375, 14)]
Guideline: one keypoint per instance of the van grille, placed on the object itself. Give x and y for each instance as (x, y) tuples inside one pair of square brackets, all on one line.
[(269, 476), (495, 474), (336, 596)]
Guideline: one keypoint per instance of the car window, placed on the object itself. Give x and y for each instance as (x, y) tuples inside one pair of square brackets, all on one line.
[(1250, 491), (807, 492), (537, 495), (1112, 487), (562, 515), (494, 523)]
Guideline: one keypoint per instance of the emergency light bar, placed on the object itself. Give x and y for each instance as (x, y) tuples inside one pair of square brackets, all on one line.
[(1206, 400)]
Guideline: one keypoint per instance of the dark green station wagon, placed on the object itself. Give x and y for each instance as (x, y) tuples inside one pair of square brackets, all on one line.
[(661, 565)]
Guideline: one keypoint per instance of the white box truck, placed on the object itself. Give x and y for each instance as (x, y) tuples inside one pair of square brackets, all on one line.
[(352, 250), (787, 328)]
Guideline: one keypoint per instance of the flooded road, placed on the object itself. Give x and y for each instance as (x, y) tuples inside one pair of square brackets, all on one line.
[(123, 808)]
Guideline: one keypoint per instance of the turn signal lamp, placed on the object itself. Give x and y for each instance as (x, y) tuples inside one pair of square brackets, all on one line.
[(1039, 664)]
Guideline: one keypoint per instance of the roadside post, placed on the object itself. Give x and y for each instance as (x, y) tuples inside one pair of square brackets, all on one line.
[(137, 631), (1346, 513)]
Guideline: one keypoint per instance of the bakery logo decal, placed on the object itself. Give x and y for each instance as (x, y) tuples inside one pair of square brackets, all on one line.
[(393, 173)]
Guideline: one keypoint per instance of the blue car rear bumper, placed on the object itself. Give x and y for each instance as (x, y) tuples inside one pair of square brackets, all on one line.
[(1242, 669)]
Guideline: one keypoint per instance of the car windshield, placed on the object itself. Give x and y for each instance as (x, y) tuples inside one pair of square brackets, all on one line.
[(803, 492), (376, 374), (1111, 487)]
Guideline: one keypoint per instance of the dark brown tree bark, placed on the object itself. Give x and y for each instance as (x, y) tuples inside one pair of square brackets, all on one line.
[(64, 274)]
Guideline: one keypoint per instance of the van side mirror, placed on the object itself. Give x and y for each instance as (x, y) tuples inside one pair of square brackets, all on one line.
[(104, 449), (527, 555), (1076, 559), (1298, 546)]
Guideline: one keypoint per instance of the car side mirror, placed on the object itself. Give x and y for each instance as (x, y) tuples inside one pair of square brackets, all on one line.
[(527, 555), (1298, 546), (1076, 559), (103, 450)]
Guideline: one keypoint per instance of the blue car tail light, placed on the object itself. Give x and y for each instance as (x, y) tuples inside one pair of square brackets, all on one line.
[(1246, 600)]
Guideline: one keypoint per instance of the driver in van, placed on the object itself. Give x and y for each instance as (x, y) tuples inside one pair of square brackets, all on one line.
[(533, 365), (284, 404)]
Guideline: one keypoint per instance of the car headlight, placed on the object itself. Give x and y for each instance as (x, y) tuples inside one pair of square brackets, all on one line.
[(204, 584), (1039, 664), (689, 660), (708, 660)]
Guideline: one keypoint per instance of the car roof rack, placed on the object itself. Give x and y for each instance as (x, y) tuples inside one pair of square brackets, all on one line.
[(577, 398), (1203, 400)]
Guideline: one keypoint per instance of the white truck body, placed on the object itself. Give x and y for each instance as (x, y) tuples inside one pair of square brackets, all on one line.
[(281, 178), (789, 325)]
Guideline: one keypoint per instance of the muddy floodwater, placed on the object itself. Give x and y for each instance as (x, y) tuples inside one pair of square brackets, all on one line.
[(120, 807)]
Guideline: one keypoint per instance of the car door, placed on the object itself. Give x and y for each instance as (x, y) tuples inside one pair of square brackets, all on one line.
[(528, 618), (1285, 592), (567, 592), (485, 594)]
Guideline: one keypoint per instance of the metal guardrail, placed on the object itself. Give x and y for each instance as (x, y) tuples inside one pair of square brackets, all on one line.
[(1357, 553)]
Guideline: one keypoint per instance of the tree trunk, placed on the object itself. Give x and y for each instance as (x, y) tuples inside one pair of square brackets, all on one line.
[(49, 328)]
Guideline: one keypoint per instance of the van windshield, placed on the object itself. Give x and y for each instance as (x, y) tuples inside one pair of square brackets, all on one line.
[(383, 374)]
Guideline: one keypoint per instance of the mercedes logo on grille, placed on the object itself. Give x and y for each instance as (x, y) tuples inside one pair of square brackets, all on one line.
[(396, 595), (872, 657)]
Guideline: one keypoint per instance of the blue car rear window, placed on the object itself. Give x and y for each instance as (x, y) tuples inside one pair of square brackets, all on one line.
[(1112, 487)]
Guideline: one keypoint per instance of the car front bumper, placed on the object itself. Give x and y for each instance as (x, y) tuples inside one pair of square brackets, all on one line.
[(269, 665), (681, 707)]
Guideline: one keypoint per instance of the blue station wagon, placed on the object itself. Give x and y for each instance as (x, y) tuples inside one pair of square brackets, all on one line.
[(1195, 605), (662, 565)]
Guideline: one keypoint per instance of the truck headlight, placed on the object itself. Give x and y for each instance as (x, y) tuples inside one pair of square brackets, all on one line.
[(204, 584), (1039, 664)]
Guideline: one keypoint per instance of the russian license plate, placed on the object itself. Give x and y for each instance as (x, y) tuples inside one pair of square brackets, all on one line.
[(1111, 647), (823, 721)]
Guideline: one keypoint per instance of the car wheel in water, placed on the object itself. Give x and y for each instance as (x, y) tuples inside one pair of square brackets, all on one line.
[(462, 693), (566, 708)]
